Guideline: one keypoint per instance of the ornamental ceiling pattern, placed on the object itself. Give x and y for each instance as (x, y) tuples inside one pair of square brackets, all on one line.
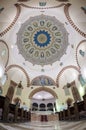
[(42, 40)]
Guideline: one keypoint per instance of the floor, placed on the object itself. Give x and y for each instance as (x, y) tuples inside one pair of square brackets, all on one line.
[(56, 125)]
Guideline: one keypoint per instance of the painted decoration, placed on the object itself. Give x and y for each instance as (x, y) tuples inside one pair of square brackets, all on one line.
[(42, 3), (42, 40), (43, 81), (1, 91), (81, 80), (82, 53)]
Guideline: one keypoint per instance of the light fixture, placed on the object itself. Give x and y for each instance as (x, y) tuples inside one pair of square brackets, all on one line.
[(12, 46), (20, 85), (68, 85)]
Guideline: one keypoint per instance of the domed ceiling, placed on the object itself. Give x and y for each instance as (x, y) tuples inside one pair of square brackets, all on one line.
[(43, 37), (42, 40)]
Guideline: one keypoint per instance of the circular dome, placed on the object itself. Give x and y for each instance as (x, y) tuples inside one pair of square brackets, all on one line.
[(42, 40)]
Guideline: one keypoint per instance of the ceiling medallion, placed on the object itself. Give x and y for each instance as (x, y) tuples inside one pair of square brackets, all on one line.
[(42, 40)]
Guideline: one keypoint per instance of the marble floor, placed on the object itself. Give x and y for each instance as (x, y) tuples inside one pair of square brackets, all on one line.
[(56, 125)]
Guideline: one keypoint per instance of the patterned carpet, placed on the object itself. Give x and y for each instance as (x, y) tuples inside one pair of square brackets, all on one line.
[(77, 125)]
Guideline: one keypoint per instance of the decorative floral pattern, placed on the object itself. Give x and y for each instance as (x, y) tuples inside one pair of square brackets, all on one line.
[(42, 40), (42, 7), (42, 3)]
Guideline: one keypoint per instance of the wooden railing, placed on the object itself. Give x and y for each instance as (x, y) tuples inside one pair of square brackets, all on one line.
[(75, 112), (11, 112), (4, 107)]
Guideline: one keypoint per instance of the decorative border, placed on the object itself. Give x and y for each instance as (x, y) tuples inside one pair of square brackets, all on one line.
[(8, 51), (42, 89), (41, 8), (67, 67), (13, 22), (66, 11), (77, 52), (17, 66)]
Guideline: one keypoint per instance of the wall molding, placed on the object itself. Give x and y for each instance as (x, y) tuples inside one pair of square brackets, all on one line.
[(65, 68), (66, 11), (31, 7), (14, 20)]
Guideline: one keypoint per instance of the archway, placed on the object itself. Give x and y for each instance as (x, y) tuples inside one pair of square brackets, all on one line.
[(43, 89), (22, 69)]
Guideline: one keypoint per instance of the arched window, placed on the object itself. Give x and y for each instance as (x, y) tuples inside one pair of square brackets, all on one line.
[(50, 107), (34, 106), (3, 79), (1, 91), (42, 107)]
